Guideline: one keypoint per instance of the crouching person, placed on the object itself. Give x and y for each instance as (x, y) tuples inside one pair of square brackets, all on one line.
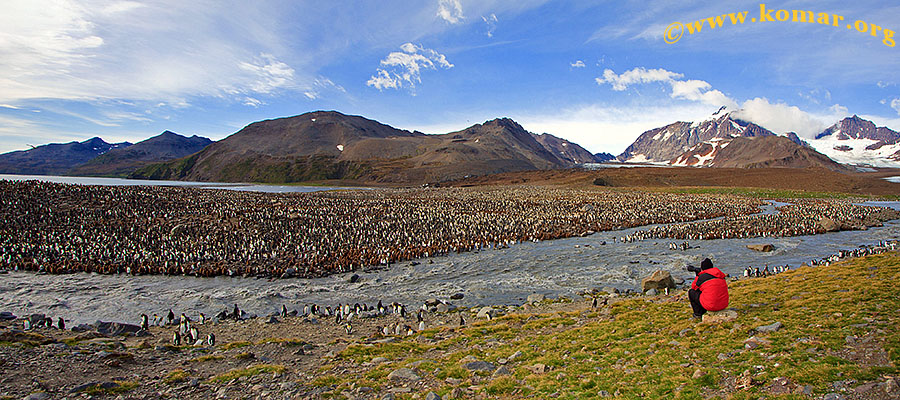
[(709, 291)]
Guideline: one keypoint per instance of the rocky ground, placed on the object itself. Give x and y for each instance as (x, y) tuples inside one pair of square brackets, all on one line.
[(824, 333)]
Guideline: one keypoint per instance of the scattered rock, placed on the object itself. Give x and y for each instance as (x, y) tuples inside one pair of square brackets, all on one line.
[(686, 332), (432, 396), (658, 280), (444, 308), (698, 374), (764, 248), (379, 360), (403, 374), (714, 317), (517, 354), (432, 302), (457, 296), (833, 396), (389, 396), (38, 396), (479, 366), (354, 278), (610, 290), (770, 328), (272, 320), (651, 292), (7, 316)]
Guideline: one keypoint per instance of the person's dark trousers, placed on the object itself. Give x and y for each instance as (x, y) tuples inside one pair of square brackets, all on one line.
[(694, 296)]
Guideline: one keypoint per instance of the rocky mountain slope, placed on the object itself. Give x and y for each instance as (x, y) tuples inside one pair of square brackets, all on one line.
[(122, 161), (330, 145), (55, 158), (666, 143), (854, 140)]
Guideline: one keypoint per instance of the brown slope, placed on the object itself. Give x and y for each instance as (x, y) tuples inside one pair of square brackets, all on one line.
[(565, 149), (330, 145), (772, 151)]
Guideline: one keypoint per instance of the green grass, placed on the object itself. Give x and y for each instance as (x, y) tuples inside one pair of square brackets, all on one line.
[(249, 371), (177, 376), (124, 387), (635, 347), (236, 345), (209, 357)]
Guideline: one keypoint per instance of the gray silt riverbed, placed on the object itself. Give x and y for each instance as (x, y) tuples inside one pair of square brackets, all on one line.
[(555, 268)]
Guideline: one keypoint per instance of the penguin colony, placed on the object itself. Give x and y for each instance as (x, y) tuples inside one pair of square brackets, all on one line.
[(59, 228)]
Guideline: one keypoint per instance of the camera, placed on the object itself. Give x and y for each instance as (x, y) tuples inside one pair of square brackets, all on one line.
[(692, 268)]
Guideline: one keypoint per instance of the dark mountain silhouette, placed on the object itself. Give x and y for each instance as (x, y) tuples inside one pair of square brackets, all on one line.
[(123, 161), (55, 158)]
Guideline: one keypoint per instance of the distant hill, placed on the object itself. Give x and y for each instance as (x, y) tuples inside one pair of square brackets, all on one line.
[(123, 161), (329, 145), (565, 149), (55, 158)]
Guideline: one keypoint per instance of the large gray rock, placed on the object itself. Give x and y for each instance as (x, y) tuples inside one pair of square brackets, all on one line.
[(659, 280), (403, 374), (487, 312), (829, 225), (770, 328), (116, 328)]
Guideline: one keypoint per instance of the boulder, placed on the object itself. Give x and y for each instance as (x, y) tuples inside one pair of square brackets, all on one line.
[(659, 280), (535, 298), (487, 312), (444, 308), (457, 296), (715, 317), (764, 248), (7, 316), (116, 328), (828, 224), (537, 368)]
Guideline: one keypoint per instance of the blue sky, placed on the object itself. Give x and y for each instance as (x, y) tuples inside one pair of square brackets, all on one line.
[(596, 73)]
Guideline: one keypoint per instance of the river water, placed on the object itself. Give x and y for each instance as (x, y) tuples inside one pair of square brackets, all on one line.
[(505, 276)]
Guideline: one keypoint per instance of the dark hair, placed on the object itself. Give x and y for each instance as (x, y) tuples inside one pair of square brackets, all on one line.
[(706, 264)]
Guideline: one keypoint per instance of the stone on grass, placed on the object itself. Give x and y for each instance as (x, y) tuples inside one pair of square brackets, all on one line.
[(714, 317), (770, 328), (432, 396), (479, 366), (502, 371), (537, 368)]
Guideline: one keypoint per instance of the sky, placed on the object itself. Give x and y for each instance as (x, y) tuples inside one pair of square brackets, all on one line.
[(593, 72)]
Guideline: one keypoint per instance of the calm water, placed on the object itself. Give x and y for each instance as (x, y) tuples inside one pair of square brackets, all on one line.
[(555, 268), (82, 180)]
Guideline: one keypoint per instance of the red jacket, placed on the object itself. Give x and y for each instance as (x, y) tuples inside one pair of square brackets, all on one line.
[(713, 289)]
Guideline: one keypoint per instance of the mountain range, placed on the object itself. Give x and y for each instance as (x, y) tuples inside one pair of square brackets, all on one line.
[(325, 145), (329, 145), (725, 140), (95, 157)]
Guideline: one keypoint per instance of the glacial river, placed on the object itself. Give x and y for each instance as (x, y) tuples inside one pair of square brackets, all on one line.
[(506, 276)]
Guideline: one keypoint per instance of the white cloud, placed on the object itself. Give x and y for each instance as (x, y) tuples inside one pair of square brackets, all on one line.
[(450, 11), (577, 64), (895, 104), (491, 21), (251, 102), (782, 118), (692, 89), (403, 68), (267, 74)]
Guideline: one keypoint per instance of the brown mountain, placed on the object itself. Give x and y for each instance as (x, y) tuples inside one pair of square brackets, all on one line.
[(758, 152), (124, 160), (330, 145), (566, 150)]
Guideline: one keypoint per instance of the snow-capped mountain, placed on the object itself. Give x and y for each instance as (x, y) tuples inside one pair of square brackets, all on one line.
[(857, 141), (662, 145)]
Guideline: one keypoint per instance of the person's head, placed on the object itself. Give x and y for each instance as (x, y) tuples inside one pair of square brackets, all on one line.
[(706, 264)]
